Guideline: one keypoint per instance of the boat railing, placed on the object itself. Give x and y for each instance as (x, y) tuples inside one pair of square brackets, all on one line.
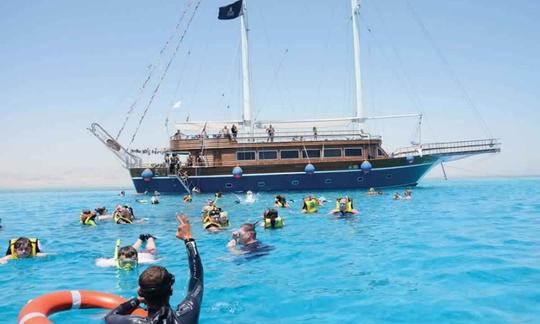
[(491, 145), (282, 137)]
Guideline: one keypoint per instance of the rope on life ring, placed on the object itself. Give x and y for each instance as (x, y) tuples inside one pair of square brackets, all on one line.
[(37, 310)]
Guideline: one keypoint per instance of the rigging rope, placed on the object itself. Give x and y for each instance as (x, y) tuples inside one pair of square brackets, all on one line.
[(450, 71), (164, 74), (153, 67)]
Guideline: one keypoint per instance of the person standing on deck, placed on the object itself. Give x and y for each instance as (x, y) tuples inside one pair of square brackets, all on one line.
[(234, 131), (270, 131)]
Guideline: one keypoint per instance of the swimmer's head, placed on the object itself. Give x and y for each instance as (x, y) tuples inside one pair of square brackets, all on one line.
[(23, 247), (101, 210), (155, 285), (127, 257), (270, 213), (223, 217)]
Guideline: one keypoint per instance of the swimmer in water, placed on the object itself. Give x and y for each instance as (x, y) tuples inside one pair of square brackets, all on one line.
[(244, 242), (187, 198), (154, 200), (280, 201), (22, 248), (156, 288), (130, 256), (408, 194), (397, 196), (271, 219), (344, 206), (122, 193)]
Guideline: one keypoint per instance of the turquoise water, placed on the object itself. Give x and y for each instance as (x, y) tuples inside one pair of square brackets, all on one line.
[(459, 251)]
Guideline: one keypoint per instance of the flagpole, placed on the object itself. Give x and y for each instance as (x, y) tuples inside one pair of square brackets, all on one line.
[(357, 75), (245, 67)]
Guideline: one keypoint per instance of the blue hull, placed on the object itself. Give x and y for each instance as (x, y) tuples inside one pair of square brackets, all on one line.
[(406, 175)]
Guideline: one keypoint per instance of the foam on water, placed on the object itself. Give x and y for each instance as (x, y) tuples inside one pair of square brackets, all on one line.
[(459, 251)]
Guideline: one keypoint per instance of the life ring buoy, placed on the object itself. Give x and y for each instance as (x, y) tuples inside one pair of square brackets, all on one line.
[(37, 310)]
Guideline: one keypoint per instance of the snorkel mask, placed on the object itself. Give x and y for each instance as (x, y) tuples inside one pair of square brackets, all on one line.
[(124, 262)]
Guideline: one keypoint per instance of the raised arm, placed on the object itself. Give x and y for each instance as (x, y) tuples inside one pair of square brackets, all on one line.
[(188, 310)]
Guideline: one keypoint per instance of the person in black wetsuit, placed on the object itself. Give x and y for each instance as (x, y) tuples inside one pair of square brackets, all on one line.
[(155, 290)]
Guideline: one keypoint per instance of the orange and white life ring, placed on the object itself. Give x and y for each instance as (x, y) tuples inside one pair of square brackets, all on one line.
[(37, 310)]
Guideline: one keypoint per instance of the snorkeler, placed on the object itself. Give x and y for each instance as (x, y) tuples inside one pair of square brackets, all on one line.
[(310, 205), (22, 248), (280, 201), (187, 198), (88, 217), (408, 194), (214, 218), (154, 200), (397, 196), (271, 219), (244, 241), (128, 257), (344, 206), (156, 288), (124, 215)]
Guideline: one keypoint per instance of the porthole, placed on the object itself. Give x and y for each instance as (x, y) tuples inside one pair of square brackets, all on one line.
[(327, 181), (388, 176), (295, 182), (228, 185), (261, 184), (359, 179)]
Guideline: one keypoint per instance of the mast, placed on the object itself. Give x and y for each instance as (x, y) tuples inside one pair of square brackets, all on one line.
[(355, 6), (245, 67)]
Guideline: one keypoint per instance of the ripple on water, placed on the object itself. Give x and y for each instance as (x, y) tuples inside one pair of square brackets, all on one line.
[(459, 251)]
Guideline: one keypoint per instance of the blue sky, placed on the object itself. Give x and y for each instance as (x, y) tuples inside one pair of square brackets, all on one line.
[(66, 64)]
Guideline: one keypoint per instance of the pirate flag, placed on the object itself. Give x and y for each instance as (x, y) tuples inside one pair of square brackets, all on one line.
[(231, 11)]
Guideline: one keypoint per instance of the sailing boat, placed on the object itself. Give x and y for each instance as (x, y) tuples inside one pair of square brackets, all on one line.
[(307, 156)]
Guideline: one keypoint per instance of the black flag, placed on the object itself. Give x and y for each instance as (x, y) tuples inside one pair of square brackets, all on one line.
[(231, 11)]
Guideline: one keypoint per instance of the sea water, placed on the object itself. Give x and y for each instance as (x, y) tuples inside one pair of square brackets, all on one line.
[(458, 251)]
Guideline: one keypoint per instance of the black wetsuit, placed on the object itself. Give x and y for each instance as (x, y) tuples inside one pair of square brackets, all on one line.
[(186, 312)]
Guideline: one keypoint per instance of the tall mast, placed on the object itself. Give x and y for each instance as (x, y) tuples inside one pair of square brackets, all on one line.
[(245, 67), (355, 6)]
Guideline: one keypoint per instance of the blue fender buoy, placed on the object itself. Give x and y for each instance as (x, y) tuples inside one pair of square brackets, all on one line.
[(237, 172), (365, 166), (147, 175), (309, 169), (409, 158)]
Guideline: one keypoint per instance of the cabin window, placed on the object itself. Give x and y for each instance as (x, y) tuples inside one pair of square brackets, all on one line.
[(356, 151), (261, 184), (295, 182), (328, 181), (359, 179), (380, 152), (289, 154), (311, 154), (332, 152), (267, 155), (388, 176), (245, 155), (228, 185)]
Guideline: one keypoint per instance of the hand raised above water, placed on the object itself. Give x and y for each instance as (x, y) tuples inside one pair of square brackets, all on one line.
[(183, 231)]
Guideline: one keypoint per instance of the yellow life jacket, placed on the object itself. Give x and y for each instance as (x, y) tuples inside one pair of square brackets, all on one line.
[(348, 209), (88, 220), (11, 249), (310, 206), (278, 222), (117, 217), (209, 222)]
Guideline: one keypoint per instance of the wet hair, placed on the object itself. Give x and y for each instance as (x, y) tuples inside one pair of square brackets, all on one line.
[(155, 284), (101, 210), (128, 251), (23, 243), (271, 214), (248, 227)]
